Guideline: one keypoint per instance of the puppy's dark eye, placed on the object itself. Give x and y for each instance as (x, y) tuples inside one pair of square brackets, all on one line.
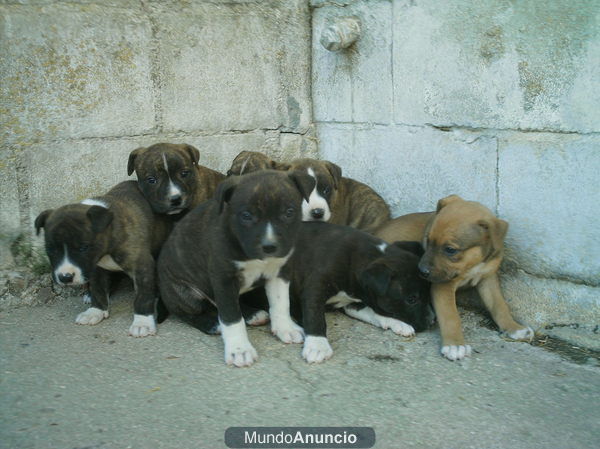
[(412, 300), (449, 251), (184, 173), (327, 190), (289, 213), (151, 180), (84, 248), (246, 216)]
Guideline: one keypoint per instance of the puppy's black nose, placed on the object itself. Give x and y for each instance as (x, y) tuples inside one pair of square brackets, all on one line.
[(269, 249), (65, 278), (317, 214), (425, 271), (175, 200)]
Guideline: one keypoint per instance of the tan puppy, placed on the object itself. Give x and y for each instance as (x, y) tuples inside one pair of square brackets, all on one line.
[(464, 246), (251, 161)]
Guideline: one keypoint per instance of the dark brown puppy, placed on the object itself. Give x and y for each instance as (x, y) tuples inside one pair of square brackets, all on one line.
[(230, 245), (464, 246), (251, 161), (340, 200), (118, 231), (171, 179)]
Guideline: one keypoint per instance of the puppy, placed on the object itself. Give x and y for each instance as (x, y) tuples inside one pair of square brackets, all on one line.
[(87, 241), (464, 246), (367, 278), (340, 200), (171, 179), (229, 245), (251, 161)]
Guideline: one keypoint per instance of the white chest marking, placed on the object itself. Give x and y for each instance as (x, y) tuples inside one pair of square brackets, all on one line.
[(93, 202), (382, 246), (475, 274), (341, 299), (108, 263), (315, 201), (252, 270)]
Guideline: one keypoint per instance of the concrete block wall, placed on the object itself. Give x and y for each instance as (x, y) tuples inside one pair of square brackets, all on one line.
[(85, 82), (496, 101)]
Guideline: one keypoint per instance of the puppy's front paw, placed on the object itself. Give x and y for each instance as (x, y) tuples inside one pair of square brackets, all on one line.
[(316, 349), (526, 334), (456, 352), (288, 331), (258, 319), (397, 326), (142, 326), (240, 354), (91, 316)]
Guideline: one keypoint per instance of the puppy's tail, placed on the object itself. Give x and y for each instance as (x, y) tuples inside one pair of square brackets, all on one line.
[(161, 311)]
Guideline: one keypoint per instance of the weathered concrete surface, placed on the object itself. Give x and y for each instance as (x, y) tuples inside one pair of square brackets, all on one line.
[(405, 164), (74, 70), (525, 65), (75, 386), (549, 189), (9, 205)]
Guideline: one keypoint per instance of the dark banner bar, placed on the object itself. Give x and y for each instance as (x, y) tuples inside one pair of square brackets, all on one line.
[(300, 437)]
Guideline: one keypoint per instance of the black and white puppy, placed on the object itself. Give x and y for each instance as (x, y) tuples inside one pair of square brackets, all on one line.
[(370, 280), (229, 245), (87, 241)]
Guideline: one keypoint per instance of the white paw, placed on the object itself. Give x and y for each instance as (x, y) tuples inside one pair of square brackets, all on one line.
[(87, 298), (397, 326), (522, 334), (240, 354), (456, 352), (142, 326), (91, 316), (258, 319), (287, 331), (316, 349)]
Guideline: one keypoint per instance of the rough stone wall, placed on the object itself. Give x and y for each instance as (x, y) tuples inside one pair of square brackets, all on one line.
[(497, 101), (85, 82)]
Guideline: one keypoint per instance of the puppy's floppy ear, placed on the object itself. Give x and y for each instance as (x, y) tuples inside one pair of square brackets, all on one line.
[(100, 217), (303, 181), (40, 221), (412, 247), (496, 230), (376, 278), (335, 171), (131, 163), (193, 152), (224, 191), (445, 201)]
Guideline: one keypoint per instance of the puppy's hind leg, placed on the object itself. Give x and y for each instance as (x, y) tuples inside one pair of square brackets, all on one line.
[(491, 295), (253, 305), (368, 315)]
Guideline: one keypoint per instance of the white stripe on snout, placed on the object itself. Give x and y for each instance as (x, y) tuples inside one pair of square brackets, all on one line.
[(66, 266), (270, 233), (174, 190), (93, 202), (315, 201)]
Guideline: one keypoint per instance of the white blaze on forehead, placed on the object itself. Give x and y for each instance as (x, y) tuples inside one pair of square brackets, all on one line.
[(65, 267), (93, 202), (315, 201), (174, 190)]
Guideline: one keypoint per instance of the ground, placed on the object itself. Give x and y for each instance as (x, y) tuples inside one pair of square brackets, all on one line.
[(70, 386)]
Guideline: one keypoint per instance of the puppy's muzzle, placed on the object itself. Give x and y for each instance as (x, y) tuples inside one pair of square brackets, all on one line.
[(424, 270), (65, 278), (317, 214), (175, 200)]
